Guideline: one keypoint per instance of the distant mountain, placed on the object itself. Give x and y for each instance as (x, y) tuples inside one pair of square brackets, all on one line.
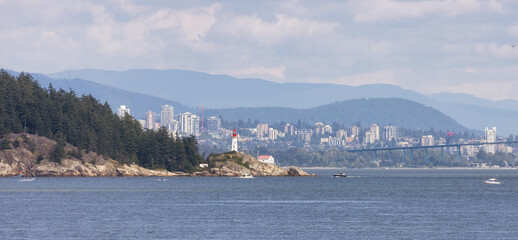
[(138, 103), (383, 111), (222, 91), (387, 111)]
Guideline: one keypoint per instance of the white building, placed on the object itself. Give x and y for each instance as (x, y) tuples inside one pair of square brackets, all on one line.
[(355, 131), (150, 120), (262, 130), (390, 133), (266, 159), (427, 140), (490, 138), (189, 124), (289, 129), (166, 115), (375, 129), (272, 134), (122, 110), (370, 137)]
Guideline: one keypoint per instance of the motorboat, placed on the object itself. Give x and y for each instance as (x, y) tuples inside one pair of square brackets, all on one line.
[(339, 175), (27, 179), (246, 175), (492, 181)]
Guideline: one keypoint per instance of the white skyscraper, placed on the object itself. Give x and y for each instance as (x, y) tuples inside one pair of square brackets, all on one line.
[(262, 130), (166, 115), (122, 110), (150, 120), (375, 129), (427, 140), (390, 132), (490, 138), (189, 123)]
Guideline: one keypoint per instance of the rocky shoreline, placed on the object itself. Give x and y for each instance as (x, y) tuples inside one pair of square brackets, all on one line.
[(29, 155)]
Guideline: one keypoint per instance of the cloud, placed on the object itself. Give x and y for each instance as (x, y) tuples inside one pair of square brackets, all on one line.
[(193, 24), (383, 10), (268, 33), (513, 30)]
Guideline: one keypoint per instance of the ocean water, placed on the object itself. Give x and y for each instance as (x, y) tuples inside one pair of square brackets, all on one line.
[(369, 204)]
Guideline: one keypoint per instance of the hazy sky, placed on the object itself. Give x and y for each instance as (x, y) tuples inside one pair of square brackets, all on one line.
[(427, 46)]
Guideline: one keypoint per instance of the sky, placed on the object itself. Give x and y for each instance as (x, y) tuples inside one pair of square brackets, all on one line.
[(457, 46)]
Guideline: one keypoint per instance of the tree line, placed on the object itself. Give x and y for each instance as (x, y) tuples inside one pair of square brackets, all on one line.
[(26, 107)]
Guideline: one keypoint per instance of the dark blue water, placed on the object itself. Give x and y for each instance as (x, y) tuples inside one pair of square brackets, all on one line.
[(371, 204)]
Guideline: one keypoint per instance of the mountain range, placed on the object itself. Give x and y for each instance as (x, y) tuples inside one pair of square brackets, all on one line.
[(144, 90), (222, 91)]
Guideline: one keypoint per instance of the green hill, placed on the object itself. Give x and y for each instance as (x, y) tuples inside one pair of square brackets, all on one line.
[(25, 107), (383, 111)]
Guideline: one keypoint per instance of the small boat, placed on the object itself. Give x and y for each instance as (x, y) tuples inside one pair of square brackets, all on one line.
[(339, 175), (27, 179), (492, 181), (246, 175)]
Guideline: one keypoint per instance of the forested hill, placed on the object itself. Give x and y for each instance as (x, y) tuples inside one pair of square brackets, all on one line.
[(382, 111), (88, 125)]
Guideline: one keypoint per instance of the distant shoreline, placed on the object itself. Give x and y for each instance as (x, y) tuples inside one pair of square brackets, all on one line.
[(423, 168)]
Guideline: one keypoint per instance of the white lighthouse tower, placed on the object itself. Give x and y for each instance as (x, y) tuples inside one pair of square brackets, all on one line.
[(234, 140)]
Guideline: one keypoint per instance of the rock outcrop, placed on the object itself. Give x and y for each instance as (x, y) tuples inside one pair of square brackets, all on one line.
[(29, 155), (235, 164)]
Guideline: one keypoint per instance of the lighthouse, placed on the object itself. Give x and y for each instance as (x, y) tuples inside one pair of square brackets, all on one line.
[(234, 140)]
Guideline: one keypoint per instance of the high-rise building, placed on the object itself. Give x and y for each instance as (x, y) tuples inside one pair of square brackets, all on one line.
[(150, 120), (122, 110), (369, 137), (262, 130), (355, 131), (213, 124), (427, 140), (272, 133), (166, 115), (189, 124), (375, 129), (390, 132), (490, 138), (289, 129)]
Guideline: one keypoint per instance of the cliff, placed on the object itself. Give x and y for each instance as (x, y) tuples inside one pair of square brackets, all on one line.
[(30, 155), (235, 164)]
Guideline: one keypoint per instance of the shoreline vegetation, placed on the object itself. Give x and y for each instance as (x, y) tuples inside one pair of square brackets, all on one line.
[(31, 156)]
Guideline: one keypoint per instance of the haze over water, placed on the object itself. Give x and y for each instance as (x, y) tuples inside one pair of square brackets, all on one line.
[(369, 204)]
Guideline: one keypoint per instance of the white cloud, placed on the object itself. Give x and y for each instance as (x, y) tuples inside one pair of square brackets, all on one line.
[(471, 70), (513, 30), (503, 51), (382, 10), (194, 24), (254, 29)]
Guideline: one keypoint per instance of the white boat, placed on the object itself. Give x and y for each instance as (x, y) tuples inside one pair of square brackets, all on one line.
[(246, 176), (27, 179), (339, 175), (492, 181)]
